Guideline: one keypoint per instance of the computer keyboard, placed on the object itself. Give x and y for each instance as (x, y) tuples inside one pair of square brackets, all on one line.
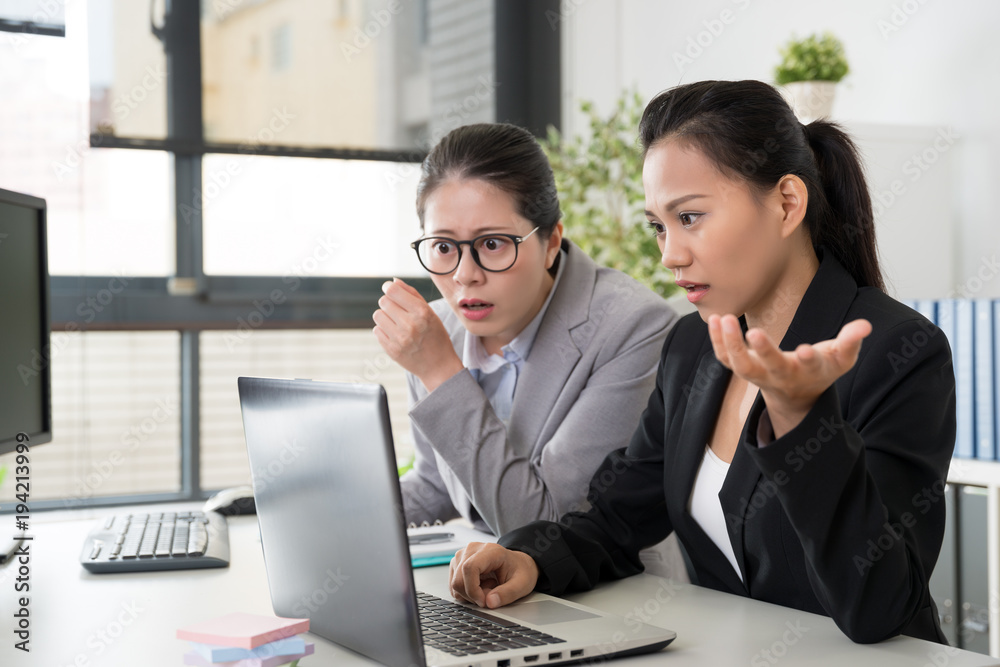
[(461, 630), (157, 541)]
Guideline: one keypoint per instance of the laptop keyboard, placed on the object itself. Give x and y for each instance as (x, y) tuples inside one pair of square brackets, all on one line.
[(459, 630)]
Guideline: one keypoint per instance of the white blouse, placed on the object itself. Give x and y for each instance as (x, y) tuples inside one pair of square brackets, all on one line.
[(705, 506)]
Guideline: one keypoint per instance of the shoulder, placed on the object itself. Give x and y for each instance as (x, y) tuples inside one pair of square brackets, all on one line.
[(613, 295), (901, 340)]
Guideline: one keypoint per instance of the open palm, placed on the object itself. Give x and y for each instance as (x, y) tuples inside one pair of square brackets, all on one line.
[(790, 382)]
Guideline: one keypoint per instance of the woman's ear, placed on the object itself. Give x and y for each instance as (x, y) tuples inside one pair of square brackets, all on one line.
[(554, 243), (794, 199)]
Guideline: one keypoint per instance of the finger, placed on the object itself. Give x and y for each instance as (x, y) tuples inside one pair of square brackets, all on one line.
[(392, 308), (809, 356), (847, 345), (769, 355), (409, 288), (736, 348), (470, 572), (855, 331), (384, 320), (455, 581), (515, 588), (715, 334), (408, 299), (380, 336)]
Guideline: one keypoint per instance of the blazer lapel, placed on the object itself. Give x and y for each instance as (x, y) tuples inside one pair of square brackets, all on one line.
[(818, 317), (691, 433), (555, 352), (741, 480)]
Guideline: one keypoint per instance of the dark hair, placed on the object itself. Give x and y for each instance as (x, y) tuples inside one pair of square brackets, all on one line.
[(749, 132), (503, 155)]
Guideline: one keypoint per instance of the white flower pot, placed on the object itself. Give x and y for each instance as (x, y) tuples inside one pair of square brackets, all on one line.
[(810, 99)]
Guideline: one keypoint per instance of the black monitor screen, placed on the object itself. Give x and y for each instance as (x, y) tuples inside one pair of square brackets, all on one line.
[(24, 332)]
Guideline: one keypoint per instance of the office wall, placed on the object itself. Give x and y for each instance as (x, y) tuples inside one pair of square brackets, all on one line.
[(914, 63)]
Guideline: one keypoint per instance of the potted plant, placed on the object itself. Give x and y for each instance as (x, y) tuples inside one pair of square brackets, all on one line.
[(599, 179), (809, 71)]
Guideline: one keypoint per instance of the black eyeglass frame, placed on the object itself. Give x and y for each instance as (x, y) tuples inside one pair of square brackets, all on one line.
[(514, 238)]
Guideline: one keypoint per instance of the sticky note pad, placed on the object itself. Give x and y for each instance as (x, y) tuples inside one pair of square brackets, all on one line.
[(213, 653), (192, 658), (243, 630)]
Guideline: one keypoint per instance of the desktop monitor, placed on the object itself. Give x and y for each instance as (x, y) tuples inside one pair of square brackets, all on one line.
[(25, 377)]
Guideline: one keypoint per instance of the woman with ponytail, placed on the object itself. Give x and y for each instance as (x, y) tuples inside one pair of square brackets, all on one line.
[(797, 453)]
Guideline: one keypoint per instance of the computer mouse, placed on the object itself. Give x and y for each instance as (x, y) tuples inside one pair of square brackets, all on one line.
[(232, 502)]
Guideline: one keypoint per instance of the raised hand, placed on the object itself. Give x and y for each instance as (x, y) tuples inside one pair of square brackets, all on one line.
[(789, 382), (412, 334)]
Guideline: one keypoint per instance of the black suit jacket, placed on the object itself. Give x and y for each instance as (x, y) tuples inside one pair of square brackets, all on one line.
[(843, 516)]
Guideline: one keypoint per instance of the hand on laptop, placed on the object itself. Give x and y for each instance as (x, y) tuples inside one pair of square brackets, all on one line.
[(490, 575)]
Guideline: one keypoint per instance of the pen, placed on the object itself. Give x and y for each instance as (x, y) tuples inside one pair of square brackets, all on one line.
[(431, 538), (9, 555)]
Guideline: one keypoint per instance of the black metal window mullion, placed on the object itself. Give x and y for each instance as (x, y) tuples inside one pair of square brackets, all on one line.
[(181, 38)]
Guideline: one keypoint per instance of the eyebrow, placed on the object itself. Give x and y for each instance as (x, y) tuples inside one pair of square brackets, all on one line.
[(476, 232), (677, 202)]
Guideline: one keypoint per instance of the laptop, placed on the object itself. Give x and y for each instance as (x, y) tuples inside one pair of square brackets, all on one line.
[(336, 550)]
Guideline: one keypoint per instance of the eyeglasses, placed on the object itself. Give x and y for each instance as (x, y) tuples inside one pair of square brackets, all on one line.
[(492, 252)]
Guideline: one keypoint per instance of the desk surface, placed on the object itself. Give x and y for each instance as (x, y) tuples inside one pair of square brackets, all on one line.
[(87, 620)]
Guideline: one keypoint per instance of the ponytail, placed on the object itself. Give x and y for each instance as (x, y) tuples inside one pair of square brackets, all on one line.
[(749, 132), (844, 222)]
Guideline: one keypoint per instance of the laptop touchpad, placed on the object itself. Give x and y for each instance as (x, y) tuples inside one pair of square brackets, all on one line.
[(545, 612)]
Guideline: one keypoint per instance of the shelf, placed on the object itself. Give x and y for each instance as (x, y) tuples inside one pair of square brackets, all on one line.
[(974, 473)]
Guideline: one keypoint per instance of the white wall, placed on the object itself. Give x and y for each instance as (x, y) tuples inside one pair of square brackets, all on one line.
[(932, 64)]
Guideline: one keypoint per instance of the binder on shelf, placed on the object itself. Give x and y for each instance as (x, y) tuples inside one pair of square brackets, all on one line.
[(984, 381), (965, 398), (927, 308), (996, 378), (955, 317)]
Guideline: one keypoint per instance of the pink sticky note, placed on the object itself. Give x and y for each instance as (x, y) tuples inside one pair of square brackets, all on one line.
[(243, 630)]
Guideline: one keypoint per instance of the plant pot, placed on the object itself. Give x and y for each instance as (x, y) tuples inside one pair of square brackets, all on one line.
[(810, 100)]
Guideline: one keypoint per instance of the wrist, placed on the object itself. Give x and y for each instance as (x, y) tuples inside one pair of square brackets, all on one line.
[(437, 376), (784, 417)]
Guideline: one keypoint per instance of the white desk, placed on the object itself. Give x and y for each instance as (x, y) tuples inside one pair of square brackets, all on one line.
[(129, 619)]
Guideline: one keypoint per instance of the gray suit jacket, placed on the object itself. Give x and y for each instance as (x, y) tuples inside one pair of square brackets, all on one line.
[(583, 387)]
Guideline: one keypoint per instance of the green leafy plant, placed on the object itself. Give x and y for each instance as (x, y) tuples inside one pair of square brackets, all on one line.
[(599, 179), (406, 467), (815, 58)]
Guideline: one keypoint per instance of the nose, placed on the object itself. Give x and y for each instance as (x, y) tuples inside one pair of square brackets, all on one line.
[(674, 252), (468, 272)]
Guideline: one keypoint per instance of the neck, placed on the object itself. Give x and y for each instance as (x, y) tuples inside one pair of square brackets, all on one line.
[(773, 314)]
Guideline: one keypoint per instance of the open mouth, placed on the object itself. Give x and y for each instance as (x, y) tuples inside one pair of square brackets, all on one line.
[(475, 309), (695, 291)]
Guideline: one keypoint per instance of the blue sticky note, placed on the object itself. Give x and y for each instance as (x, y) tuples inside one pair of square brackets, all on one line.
[(287, 646)]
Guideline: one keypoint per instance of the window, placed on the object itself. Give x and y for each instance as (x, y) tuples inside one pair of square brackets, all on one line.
[(116, 417), (389, 76), (336, 356), (287, 216), (286, 147)]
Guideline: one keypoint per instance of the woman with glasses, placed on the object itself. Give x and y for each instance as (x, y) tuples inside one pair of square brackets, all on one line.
[(797, 454), (536, 362)]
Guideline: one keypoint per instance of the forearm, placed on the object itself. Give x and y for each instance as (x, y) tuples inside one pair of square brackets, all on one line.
[(422, 501), (460, 425)]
